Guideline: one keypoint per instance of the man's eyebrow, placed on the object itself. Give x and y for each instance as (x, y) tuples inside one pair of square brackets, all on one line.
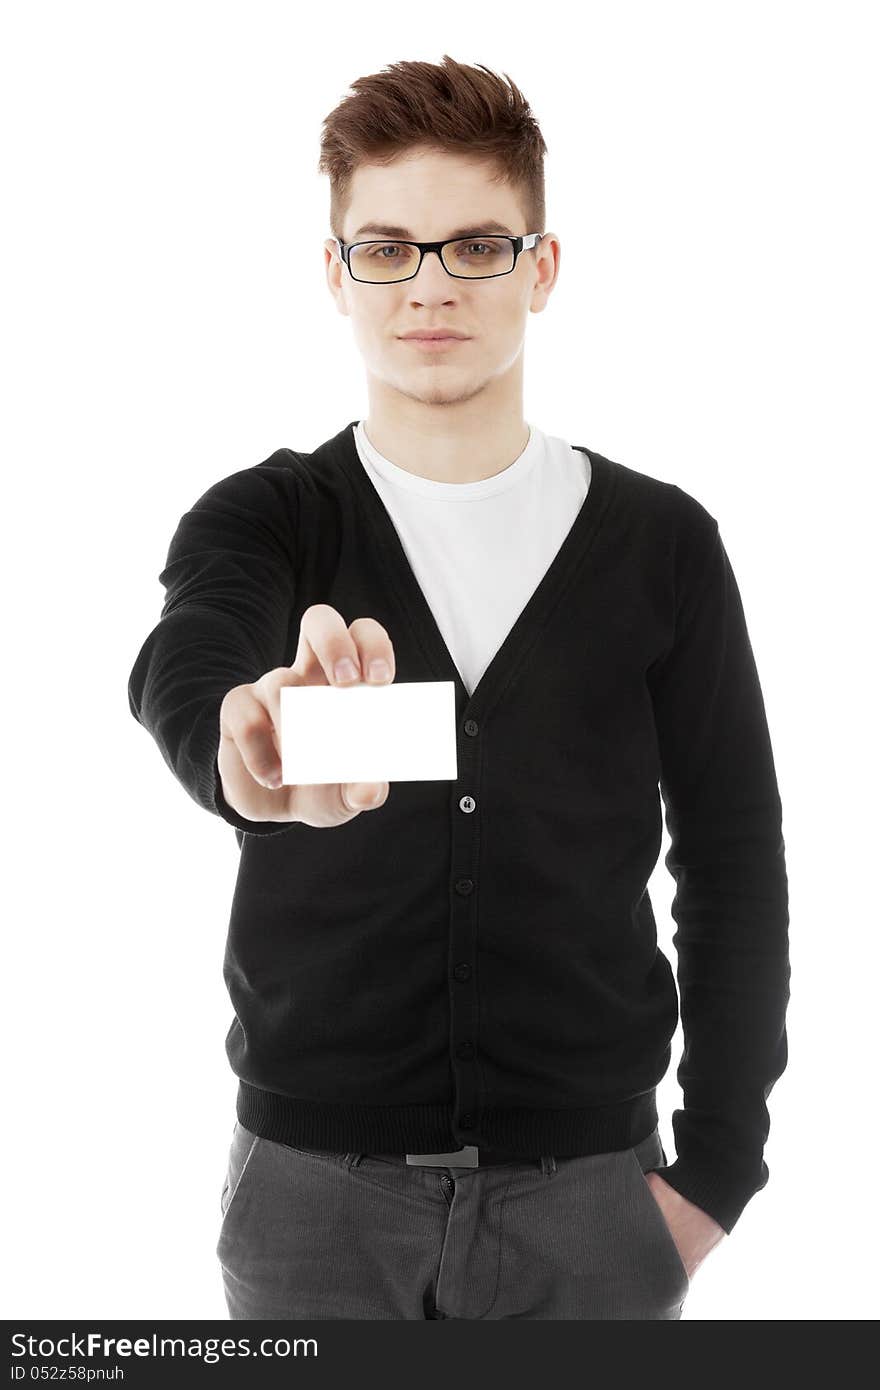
[(380, 229)]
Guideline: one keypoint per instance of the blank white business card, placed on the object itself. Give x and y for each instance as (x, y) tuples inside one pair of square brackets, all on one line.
[(402, 732)]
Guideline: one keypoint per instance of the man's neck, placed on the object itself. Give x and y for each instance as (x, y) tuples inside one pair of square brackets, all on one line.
[(436, 442)]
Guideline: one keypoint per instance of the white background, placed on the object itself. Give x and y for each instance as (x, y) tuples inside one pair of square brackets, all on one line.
[(166, 321)]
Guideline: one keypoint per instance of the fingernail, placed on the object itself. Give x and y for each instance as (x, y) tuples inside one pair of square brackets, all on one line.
[(345, 670), (379, 670)]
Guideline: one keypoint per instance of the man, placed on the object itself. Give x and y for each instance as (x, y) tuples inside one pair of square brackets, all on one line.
[(451, 1015)]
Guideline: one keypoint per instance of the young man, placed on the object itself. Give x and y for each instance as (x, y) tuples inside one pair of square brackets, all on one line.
[(451, 1015)]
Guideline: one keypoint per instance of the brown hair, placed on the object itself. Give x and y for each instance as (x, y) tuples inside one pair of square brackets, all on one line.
[(445, 106)]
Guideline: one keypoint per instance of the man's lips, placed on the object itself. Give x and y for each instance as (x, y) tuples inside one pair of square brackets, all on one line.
[(434, 342)]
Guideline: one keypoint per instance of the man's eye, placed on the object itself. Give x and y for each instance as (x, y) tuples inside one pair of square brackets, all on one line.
[(480, 250)]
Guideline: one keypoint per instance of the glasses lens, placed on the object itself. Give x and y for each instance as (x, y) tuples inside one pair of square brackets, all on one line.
[(475, 257), (381, 261)]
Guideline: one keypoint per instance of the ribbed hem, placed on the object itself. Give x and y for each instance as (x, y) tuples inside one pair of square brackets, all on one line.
[(312, 1124), (722, 1195)]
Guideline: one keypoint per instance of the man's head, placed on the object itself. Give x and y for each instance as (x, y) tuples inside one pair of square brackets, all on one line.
[(425, 152)]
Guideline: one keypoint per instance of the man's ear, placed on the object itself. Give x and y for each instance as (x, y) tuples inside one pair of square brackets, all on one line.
[(333, 270)]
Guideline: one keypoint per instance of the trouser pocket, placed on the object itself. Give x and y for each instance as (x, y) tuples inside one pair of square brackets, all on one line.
[(241, 1155), (646, 1156)]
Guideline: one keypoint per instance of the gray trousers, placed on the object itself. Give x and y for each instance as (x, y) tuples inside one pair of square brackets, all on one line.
[(309, 1234)]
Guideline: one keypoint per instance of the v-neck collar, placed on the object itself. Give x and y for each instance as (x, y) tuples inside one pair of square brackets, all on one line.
[(418, 613)]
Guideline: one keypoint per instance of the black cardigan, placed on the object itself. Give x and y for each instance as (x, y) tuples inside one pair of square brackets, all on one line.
[(423, 977)]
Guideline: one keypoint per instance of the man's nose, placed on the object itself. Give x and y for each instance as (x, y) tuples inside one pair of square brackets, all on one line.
[(433, 272)]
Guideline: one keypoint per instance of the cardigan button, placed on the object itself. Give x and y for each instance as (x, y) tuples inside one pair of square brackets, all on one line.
[(466, 1049), (464, 886), (471, 727), (466, 1121), (468, 804), (462, 971)]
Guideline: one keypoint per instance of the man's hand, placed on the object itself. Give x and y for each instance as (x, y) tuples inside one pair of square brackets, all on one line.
[(694, 1231), (249, 751)]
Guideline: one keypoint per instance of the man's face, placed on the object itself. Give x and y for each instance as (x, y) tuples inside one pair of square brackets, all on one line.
[(430, 196)]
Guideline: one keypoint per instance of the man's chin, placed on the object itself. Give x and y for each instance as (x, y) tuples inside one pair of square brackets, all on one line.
[(449, 392)]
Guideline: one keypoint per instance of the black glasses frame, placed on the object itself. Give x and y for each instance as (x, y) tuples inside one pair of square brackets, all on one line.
[(520, 244)]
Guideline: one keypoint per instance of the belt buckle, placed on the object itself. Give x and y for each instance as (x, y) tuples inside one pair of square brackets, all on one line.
[(467, 1157)]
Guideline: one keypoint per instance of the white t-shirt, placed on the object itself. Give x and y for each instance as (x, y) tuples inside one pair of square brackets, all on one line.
[(479, 550)]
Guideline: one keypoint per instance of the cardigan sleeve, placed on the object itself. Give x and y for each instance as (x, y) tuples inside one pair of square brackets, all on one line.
[(727, 856), (230, 583)]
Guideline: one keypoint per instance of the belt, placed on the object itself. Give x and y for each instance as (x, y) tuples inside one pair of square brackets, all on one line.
[(468, 1157)]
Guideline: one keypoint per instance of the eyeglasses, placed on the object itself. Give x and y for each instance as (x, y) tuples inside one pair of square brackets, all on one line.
[(469, 258)]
